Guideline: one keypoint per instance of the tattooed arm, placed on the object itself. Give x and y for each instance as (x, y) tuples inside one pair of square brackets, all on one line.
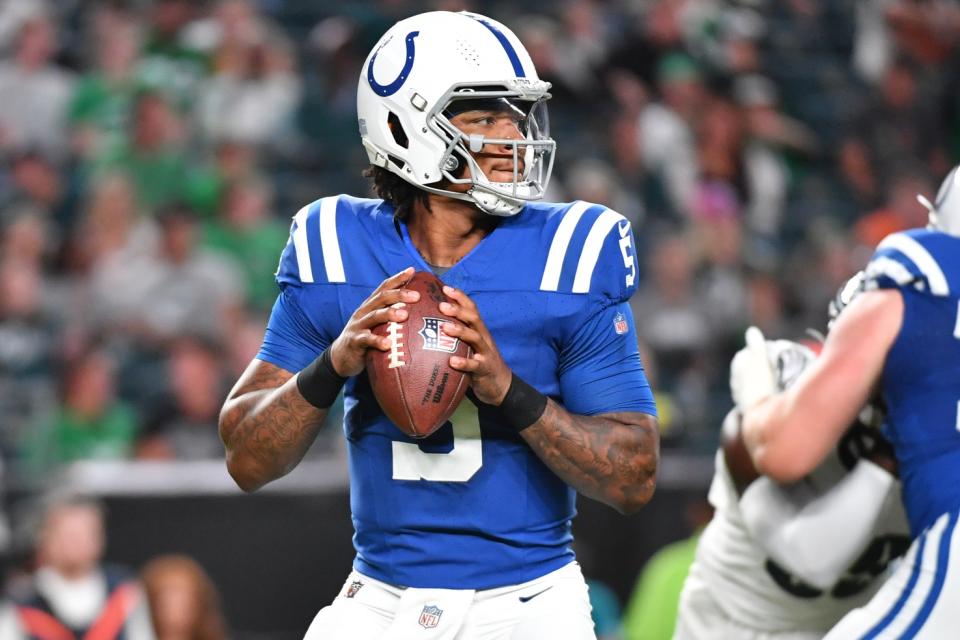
[(266, 425), (611, 457)]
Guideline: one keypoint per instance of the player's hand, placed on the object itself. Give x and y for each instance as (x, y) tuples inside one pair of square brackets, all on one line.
[(349, 350), (489, 375), (751, 376)]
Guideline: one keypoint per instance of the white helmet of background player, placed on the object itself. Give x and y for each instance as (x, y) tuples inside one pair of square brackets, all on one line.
[(420, 73), (945, 210), (847, 293)]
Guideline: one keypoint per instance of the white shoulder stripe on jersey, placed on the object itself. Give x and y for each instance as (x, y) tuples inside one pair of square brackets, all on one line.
[(890, 268), (920, 257), (330, 241), (591, 249), (301, 246), (558, 248)]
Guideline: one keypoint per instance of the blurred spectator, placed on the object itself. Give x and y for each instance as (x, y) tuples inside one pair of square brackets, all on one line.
[(113, 254), (254, 90), (872, 43), (72, 592), (155, 159), (766, 306), (191, 290), (898, 122), (38, 183), (924, 31), (657, 32), (673, 321), (721, 282), (767, 135), (337, 55), (252, 98), (900, 210), (170, 64), (183, 600), (156, 288), (102, 103), (28, 344), (90, 423), (13, 13), (185, 428), (27, 237), (246, 230), (668, 147), (593, 180), (669, 315), (111, 221), (34, 92)]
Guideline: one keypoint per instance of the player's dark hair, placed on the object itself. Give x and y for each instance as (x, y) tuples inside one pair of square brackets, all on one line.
[(395, 190)]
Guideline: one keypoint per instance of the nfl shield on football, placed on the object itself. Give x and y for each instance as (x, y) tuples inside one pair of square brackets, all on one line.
[(413, 381)]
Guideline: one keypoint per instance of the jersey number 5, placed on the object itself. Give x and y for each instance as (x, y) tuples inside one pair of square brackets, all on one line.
[(410, 462)]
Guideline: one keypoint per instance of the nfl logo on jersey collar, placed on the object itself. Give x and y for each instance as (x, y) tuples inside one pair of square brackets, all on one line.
[(430, 616)]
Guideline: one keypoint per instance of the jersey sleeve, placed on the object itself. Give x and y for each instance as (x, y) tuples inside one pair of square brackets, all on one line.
[(600, 368), (615, 276), (302, 323), (313, 254), (909, 259), (592, 252), (292, 340)]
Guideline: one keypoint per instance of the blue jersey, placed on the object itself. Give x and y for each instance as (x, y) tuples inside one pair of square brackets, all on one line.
[(921, 376), (471, 507)]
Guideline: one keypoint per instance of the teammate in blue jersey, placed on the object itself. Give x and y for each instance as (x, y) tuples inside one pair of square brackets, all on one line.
[(465, 534), (902, 338)]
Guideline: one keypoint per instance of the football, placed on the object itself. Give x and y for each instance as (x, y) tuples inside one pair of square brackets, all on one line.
[(413, 381)]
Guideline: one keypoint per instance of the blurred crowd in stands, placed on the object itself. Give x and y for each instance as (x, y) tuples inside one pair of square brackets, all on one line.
[(152, 153)]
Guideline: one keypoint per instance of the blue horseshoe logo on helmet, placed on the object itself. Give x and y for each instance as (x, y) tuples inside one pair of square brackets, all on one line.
[(384, 90)]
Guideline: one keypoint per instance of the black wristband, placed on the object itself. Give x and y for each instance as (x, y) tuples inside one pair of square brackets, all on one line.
[(319, 383), (523, 405)]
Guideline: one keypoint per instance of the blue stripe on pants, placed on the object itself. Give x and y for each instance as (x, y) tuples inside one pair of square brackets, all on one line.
[(943, 565)]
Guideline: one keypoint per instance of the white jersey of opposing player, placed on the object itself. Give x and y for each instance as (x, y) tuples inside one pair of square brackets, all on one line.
[(787, 561), (762, 594)]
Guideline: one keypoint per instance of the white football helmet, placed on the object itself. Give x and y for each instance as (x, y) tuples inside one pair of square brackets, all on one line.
[(847, 293), (411, 82), (945, 210)]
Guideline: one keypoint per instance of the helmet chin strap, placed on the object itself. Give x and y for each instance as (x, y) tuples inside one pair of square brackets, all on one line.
[(495, 205)]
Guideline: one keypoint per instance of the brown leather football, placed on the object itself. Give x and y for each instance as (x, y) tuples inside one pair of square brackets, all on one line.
[(413, 381)]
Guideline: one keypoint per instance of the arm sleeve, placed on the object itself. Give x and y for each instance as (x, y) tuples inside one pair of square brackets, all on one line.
[(600, 368), (803, 535), (291, 340)]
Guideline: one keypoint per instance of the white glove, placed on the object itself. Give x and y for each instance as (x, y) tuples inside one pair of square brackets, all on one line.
[(788, 359), (751, 377)]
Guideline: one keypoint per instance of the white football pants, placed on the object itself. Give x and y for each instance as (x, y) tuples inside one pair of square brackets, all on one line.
[(920, 599), (556, 605)]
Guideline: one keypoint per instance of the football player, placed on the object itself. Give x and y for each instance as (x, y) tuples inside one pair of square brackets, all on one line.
[(465, 534), (903, 335), (788, 561)]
